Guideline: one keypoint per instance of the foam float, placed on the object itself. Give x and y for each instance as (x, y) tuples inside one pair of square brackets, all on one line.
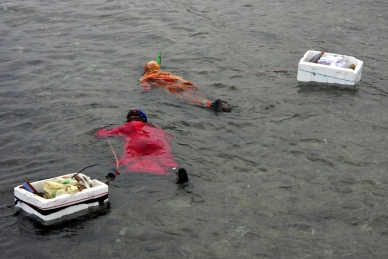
[(57, 208), (309, 70)]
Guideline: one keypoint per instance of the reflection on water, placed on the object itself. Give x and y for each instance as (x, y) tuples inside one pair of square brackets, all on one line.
[(294, 171)]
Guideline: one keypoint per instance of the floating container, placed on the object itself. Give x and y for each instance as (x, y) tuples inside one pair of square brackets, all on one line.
[(313, 72), (62, 207)]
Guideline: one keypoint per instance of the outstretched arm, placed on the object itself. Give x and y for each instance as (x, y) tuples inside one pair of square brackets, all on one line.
[(103, 133), (146, 85)]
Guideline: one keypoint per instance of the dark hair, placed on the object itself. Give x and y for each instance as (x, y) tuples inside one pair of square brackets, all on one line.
[(135, 115)]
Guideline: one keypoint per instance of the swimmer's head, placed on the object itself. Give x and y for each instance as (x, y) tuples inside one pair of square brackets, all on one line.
[(136, 115), (151, 67)]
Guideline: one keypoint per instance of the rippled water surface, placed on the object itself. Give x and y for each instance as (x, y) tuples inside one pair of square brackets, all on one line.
[(294, 171)]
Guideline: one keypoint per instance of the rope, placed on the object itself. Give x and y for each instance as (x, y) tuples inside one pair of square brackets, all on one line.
[(275, 70), (238, 71), (326, 76), (116, 159)]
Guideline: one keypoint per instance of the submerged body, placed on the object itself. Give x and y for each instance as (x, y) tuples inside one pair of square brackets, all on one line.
[(178, 86), (146, 147)]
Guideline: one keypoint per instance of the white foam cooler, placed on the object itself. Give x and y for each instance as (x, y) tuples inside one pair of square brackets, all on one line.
[(313, 72), (62, 207)]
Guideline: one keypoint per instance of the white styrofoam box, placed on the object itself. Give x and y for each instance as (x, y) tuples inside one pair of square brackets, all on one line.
[(62, 207), (313, 72)]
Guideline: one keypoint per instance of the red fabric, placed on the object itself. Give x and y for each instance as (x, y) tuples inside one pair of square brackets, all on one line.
[(147, 148)]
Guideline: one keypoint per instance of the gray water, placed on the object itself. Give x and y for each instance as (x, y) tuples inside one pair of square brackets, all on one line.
[(294, 171)]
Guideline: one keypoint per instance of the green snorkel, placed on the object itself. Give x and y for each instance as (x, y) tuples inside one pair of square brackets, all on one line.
[(160, 59)]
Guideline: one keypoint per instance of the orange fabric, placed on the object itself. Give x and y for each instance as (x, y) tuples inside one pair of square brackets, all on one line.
[(176, 85)]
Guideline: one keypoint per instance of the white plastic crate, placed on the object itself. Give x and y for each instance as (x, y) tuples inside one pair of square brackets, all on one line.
[(62, 207), (313, 72)]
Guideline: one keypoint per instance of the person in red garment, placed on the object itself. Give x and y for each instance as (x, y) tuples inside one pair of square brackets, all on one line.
[(178, 86), (146, 149)]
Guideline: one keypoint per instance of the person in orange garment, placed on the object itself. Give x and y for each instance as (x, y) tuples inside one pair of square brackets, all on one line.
[(178, 86), (147, 148)]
